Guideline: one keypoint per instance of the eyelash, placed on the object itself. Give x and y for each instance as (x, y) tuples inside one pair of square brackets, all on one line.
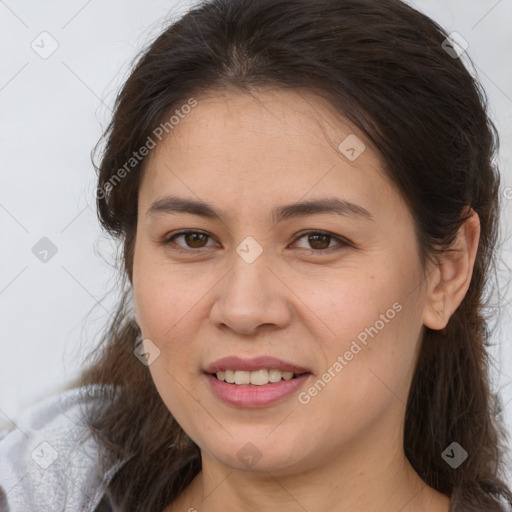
[(342, 243)]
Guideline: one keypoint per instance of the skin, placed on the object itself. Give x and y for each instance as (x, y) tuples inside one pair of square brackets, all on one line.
[(245, 154)]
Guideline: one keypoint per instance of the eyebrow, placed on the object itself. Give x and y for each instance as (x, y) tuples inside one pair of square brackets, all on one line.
[(174, 205)]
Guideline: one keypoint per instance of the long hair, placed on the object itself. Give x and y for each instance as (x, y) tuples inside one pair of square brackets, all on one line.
[(382, 65)]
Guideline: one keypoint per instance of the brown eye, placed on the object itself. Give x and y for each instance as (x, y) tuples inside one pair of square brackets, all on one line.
[(319, 241), (195, 240), (192, 240)]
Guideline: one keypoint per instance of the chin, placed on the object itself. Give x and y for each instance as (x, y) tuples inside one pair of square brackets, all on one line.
[(258, 453)]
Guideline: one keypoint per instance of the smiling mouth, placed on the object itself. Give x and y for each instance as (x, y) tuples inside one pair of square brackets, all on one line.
[(255, 378)]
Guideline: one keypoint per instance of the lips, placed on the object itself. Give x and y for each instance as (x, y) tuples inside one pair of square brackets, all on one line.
[(253, 364), (249, 397)]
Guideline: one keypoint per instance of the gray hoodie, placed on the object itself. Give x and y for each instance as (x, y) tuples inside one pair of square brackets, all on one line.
[(50, 461)]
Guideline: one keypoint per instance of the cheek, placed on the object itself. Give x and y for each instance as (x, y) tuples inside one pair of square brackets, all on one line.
[(356, 305), (166, 296), (180, 396), (374, 322), (369, 366)]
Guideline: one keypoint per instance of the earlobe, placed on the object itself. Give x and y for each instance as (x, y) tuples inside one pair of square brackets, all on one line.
[(449, 281)]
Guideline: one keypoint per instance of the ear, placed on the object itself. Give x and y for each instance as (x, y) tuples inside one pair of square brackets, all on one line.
[(449, 281)]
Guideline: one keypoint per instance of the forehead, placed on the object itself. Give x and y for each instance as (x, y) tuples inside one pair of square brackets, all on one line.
[(262, 147)]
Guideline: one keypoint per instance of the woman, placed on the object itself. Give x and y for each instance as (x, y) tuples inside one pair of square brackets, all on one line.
[(307, 203)]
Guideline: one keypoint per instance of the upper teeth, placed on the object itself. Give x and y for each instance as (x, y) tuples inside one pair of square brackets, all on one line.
[(258, 377)]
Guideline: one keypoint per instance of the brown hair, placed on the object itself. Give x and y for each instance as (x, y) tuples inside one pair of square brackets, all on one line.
[(382, 65)]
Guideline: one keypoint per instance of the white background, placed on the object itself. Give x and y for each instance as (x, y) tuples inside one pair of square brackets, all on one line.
[(54, 110)]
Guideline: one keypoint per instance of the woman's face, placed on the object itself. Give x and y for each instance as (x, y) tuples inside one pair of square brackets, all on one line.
[(335, 292)]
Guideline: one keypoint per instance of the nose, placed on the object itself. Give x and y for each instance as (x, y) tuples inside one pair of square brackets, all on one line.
[(251, 298)]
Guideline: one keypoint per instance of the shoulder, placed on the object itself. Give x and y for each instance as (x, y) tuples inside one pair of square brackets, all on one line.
[(50, 460)]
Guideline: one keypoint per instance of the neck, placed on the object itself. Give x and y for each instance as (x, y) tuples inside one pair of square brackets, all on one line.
[(385, 482)]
